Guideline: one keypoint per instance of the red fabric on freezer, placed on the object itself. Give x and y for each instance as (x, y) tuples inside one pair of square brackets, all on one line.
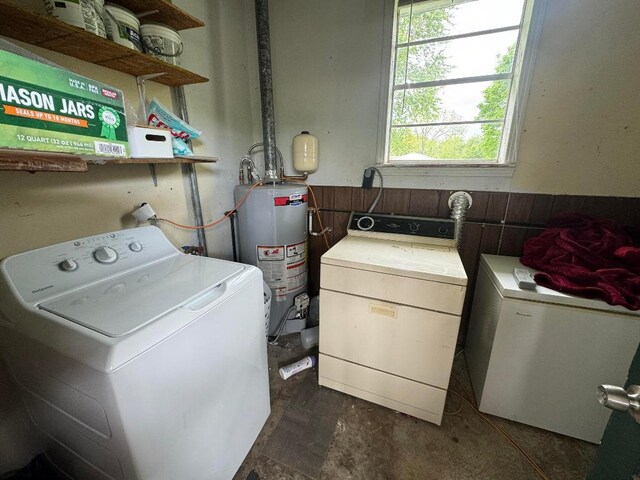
[(587, 257)]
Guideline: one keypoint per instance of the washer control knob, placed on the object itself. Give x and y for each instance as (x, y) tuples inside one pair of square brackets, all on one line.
[(443, 230), (413, 226), (135, 246), (105, 255), (68, 265)]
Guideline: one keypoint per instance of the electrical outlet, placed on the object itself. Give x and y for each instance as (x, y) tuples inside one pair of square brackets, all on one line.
[(367, 178)]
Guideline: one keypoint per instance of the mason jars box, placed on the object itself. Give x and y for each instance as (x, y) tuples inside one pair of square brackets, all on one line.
[(51, 109)]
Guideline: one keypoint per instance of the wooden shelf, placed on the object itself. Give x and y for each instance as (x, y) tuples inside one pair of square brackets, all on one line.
[(31, 161), (52, 34), (189, 159), (165, 12), (35, 161)]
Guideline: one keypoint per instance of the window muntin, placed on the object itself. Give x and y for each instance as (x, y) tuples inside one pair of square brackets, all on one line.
[(479, 11), (449, 102)]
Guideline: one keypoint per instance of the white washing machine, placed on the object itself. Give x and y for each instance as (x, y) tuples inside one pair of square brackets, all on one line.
[(391, 296), (136, 360)]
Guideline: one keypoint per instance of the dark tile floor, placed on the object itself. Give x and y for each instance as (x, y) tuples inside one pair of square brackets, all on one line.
[(373, 442)]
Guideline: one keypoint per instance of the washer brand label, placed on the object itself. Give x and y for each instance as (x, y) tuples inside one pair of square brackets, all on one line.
[(42, 289)]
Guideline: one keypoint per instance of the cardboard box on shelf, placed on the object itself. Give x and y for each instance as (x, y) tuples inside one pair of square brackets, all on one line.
[(51, 109)]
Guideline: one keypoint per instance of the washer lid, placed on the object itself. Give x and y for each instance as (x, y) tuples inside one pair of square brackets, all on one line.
[(125, 303), (500, 269), (415, 260)]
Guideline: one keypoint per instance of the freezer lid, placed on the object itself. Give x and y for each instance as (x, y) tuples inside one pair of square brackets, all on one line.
[(125, 303), (500, 269), (414, 260)]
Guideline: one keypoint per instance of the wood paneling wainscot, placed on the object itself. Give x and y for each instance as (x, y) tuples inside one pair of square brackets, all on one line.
[(497, 223)]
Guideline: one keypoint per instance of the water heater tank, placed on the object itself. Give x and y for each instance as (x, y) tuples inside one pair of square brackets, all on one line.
[(272, 234)]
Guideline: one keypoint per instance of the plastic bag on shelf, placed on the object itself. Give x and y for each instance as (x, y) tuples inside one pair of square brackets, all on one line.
[(160, 116)]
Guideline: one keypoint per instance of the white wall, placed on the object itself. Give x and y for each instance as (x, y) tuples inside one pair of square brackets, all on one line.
[(326, 76), (582, 128), (327, 63), (227, 108)]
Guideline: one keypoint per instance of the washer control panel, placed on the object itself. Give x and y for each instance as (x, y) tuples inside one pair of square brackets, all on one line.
[(416, 226), (51, 270)]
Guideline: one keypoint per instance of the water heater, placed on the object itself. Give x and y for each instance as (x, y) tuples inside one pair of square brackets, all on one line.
[(272, 233)]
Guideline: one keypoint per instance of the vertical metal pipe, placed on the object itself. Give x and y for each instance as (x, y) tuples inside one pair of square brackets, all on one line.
[(189, 170), (266, 91), (234, 242)]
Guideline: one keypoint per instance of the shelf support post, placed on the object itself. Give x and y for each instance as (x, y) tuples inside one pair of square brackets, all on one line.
[(189, 169)]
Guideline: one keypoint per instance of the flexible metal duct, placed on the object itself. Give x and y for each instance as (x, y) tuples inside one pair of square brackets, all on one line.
[(459, 203)]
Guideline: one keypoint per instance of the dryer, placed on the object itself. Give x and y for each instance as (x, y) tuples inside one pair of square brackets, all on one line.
[(391, 296), (136, 360)]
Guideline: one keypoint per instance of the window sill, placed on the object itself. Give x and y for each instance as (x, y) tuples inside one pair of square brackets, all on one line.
[(493, 177)]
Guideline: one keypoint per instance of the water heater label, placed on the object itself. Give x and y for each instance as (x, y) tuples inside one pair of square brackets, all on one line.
[(296, 253), (294, 200), (284, 267), (271, 261), (296, 266), (271, 253)]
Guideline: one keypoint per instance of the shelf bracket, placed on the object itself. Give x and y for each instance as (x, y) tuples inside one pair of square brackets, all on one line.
[(146, 13), (142, 94)]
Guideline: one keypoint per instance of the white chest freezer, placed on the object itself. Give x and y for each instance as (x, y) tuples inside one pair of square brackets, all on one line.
[(536, 357)]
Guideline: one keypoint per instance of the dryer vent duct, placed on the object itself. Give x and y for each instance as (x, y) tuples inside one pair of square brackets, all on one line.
[(459, 203), (266, 91)]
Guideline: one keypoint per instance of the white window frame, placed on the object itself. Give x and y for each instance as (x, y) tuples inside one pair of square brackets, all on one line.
[(524, 62)]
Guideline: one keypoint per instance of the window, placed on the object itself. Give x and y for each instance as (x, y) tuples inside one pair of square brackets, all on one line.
[(455, 78)]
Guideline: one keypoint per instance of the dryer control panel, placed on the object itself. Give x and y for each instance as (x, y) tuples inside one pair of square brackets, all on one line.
[(399, 224), (51, 270)]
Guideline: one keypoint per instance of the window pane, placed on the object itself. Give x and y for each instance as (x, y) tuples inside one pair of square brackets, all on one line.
[(456, 20), (465, 57), (451, 142), (451, 103), (461, 121)]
